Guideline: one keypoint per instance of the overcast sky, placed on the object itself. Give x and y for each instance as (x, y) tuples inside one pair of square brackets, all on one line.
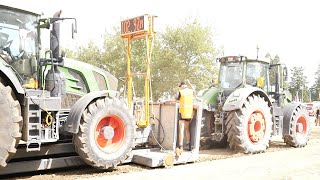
[(290, 29)]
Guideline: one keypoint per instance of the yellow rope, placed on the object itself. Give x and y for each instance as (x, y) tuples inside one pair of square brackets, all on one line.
[(48, 116)]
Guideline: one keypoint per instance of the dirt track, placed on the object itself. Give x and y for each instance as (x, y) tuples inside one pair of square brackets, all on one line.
[(206, 155)]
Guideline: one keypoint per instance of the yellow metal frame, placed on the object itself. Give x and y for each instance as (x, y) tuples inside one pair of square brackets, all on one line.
[(148, 35)]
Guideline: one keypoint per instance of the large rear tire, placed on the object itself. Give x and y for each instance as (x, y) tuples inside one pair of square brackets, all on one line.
[(106, 133), (207, 123), (299, 128), (11, 124), (249, 128)]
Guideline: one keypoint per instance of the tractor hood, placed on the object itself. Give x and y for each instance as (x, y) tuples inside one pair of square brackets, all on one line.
[(92, 74), (210, 98)]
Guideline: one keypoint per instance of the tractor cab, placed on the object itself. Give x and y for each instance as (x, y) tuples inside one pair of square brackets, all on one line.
[(18, 40), (239, 71), (20, 45)]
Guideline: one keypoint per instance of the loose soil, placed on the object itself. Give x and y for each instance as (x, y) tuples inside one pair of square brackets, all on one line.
[(205, 155)]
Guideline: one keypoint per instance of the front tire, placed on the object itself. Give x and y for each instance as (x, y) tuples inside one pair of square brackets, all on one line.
[(106, 133), (249, 128)]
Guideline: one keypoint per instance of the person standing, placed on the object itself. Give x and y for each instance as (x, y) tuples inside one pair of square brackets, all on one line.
[(185, 98), (318, 116)]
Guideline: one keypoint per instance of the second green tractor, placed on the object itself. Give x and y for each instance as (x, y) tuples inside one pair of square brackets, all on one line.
[(249, 104)]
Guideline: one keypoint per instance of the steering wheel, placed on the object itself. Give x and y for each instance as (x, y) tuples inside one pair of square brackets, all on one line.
[(6, 48), (21, 54), (251, 80)]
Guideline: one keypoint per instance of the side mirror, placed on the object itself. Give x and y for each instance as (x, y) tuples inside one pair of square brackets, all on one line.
[(74, 28), (55, 40), (55, 35), (285, 73)]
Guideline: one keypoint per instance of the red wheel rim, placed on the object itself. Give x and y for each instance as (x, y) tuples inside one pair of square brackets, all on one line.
[(301, 126), (256, 126), (115, 124)]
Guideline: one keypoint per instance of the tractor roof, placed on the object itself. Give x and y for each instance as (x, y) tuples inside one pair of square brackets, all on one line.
[(15, 7), (242, 58)]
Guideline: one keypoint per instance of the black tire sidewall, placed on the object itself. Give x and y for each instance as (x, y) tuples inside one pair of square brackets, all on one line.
[(304, 140)]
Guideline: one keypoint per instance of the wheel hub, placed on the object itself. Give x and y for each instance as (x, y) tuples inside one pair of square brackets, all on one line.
[(299, 127), (107, 132), (256, 127), (110, 133)]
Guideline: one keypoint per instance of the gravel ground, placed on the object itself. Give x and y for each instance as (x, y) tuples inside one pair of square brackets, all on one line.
[(205, 155)]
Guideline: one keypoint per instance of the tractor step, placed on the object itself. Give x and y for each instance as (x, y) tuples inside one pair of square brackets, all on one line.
[(36, 113)]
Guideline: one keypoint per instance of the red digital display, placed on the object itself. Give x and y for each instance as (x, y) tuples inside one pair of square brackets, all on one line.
[(133, 25)]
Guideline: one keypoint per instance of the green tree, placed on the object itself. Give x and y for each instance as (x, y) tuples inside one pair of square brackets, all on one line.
[(315, 90), (178, 53), (69, 53), (115, 58), (275, 60), (90, 54), (184, 52), (298, 84)]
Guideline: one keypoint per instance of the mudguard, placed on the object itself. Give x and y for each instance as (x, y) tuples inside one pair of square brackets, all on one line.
[(73, 120), (287, 116), (210, 97), (7, 73), (238, 97)]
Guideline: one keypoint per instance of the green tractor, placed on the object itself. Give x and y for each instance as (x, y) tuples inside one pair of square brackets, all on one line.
[(38, 93), (57, 112), (249, 104)]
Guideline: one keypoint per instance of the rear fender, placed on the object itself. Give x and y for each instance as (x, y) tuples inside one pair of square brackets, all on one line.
[(73, 120), (210, 97), (236, 99), (11, 79)]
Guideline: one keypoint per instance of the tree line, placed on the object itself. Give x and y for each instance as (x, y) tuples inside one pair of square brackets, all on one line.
[(298, 84), (178, 53)]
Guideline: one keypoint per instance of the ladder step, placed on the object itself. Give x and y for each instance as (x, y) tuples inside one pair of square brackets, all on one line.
[(33, 145)]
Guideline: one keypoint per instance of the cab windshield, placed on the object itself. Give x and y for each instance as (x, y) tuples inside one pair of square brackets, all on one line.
[(230, 75), (18, 34), (256, 70)]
